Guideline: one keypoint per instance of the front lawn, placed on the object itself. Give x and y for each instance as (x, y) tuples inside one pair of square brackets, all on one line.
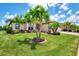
[(56, 45)]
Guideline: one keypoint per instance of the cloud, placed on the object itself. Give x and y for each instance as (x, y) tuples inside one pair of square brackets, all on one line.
[(32, 5), (57, 17), (73, 19), (69, 12), (45, 5), (54, 17), (52, 4), (9, 16), (64, 7), (2, 22), (59, 12), (27, 10), (6, 16), (62, 16), (77, 12)]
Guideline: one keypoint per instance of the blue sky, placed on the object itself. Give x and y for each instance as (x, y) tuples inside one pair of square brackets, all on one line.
[(58, 11)]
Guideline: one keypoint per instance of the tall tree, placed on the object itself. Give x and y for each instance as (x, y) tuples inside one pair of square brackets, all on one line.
[(12, 22), (67, 25), (16, 19), (40, 15)]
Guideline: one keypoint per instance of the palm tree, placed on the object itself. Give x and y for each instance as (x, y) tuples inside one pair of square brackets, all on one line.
[(67, 25), (16, 22), (16, 19), (9, 21), (40, 15), (74, 27), (54, 26), (12, 22), (8, 27)]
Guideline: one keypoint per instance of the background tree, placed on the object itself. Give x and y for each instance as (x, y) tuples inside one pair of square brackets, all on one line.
[(16, 19), (54, 26), (1, 28), (67, 26), (73, 27), (11, 22)]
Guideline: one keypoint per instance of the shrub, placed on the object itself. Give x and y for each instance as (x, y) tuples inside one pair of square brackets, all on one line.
[(22, 31), (64, 29), (1, 28), (57, 33), (5, 27), (9, 30), (15, 31)]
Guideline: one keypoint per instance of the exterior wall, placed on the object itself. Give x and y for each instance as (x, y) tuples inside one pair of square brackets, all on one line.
[(21, 26), (26, 25), (34, 27), (13, 26), (44, 27)]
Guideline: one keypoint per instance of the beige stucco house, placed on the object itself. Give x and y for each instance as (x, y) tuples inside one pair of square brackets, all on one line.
[(25, 27), (43, 27)]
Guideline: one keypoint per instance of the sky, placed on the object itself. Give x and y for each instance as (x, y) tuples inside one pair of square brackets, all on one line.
[(60, 12)]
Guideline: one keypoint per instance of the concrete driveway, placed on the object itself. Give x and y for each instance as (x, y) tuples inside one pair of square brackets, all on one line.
[(71, 33)]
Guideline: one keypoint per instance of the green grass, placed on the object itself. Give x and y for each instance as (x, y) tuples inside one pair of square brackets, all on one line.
[(62, 45)]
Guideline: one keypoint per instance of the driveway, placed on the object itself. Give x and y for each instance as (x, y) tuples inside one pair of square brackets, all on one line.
[(71, 33)]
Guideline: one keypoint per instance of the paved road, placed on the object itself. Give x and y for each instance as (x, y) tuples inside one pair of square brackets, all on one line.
[(72, 33)]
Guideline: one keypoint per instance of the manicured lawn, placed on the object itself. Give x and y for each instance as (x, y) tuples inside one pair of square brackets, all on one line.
[(63, 45)]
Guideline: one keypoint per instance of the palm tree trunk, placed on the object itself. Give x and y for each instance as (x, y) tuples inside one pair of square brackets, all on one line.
[(54, 30), (38, 32)]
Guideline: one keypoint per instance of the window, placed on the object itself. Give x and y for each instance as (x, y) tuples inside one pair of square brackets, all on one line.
[(17, 26)]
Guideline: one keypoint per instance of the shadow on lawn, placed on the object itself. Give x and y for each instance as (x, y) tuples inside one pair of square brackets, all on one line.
[(25, 41), (29, 42)]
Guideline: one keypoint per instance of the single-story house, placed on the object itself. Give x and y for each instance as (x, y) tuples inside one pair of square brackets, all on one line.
[(25, 26), (43, 27)]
